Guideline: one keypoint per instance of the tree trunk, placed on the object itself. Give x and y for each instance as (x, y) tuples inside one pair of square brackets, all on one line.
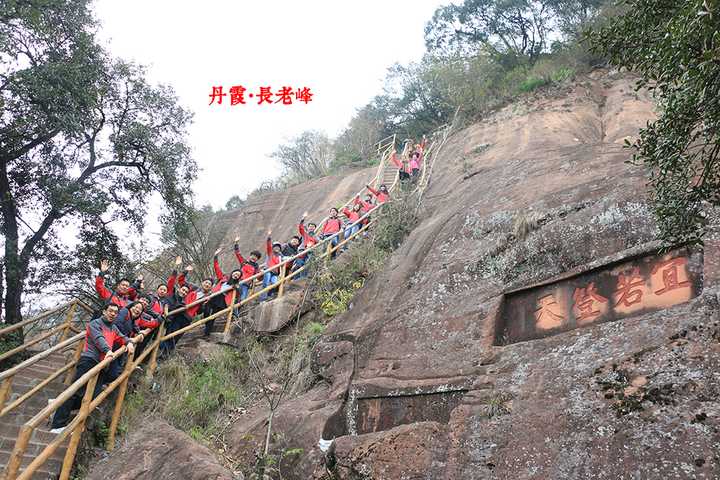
[(267, 437), (13, 271)]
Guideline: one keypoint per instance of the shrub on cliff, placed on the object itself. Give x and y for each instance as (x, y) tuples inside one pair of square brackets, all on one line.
[(335, 283), (675, 46)]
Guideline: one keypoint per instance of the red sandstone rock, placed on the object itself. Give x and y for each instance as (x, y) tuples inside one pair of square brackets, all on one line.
[(159, 451)]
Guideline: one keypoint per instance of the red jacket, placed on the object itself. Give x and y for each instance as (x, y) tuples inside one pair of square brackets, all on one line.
[(331, 226), (146, 321), (308, 239), (171, 282), (272, 258), (248, 268), (365, 207), (111, 296), (100, 337), (415, 162), (381, 197), (222, 278), (352, 215), (399, 164)]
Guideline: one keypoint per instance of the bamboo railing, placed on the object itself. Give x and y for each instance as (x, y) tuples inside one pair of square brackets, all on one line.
[(323, 249)]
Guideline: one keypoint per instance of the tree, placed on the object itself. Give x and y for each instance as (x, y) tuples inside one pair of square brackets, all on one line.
[(674, 46), (517, 28), (84, 141), (305, 157), (194, 236), (234, 203), (357, 144)]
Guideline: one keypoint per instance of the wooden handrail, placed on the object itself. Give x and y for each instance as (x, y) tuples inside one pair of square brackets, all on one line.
[(42, 316), (36, 358), (32, 342), (262, 273), (76, 426)]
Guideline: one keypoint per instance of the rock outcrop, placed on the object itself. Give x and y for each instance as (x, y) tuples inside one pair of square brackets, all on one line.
[(615, 381), (157, 450)]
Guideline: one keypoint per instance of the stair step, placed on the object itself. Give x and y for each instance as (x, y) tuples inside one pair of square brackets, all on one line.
[(51, 467)]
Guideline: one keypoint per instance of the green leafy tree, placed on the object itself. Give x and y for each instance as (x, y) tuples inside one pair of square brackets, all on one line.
[(234, 203), (194, 236), (517, 28), (305, 157), (357, 144), (84, 142), (675, 46)]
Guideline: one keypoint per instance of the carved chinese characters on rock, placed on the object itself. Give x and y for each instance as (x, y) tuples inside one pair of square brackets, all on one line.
[(670, 282), (549, 313), (638, 285), (630, 292), (588, 304)]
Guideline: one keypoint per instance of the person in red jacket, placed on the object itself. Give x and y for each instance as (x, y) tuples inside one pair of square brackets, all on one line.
[(416, 158), (249, 268), (366, 206), (382, 196), (160, 300), (123, 294), (403, 167), (308, 241), (415, 164), (308, 235), (331, 228), (353, 217), (148, 319), (274, 258), (100, 336), (227, 282), (212, 303)]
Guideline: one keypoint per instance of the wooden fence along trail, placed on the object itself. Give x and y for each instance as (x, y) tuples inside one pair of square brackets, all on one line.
[(27, 449)]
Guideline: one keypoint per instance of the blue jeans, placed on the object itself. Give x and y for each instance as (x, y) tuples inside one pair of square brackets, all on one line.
[(244, 291), (335, 240), (352, 230), (298, 263), (268, 279)]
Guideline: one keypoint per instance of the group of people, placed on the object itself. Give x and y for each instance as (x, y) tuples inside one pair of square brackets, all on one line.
[(129, 312), (410, 162)]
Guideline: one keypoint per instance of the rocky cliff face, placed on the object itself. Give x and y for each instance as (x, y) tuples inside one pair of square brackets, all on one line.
[(528, 327)]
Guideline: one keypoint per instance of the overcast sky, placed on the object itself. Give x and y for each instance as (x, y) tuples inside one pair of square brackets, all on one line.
[(339, 49)]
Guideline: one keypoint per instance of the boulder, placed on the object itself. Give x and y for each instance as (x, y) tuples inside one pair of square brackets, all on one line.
[(156, 450)]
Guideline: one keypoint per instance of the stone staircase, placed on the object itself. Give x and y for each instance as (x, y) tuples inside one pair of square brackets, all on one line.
[(10, 424)]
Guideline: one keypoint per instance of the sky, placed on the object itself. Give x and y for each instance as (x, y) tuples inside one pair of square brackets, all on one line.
[(340, 50)]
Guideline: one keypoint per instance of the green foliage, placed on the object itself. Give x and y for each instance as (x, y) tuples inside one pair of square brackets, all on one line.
[(305, 157), (335, 301), (195, 393), (313, 330), (674, 46), (234, 203), (336, 282), (85, 141), (532, 83)]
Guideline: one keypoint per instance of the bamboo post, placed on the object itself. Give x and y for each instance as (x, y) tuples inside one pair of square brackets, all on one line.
[(228, 323), (76, 357), (17, 455), (281, 280), (119, 403), (78, 431), (5, 390), (68, 320), (152, 365)]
